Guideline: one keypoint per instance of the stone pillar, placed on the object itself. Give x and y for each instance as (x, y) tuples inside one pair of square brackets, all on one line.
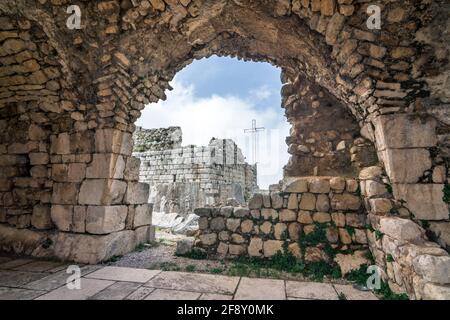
[(98, 206), (405, 145)]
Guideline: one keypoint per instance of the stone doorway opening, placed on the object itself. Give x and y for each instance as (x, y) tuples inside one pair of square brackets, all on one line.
[(323, 140), (197, 152)]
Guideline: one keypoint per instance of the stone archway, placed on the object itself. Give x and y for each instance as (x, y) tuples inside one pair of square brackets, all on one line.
[(69, 186)]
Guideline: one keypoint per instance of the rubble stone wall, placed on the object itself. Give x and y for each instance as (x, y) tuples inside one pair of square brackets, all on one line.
[(399, 237), (327, 209), (183, 178)]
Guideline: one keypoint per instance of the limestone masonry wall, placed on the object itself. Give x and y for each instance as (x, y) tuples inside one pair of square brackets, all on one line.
[(183, 178), (325, 219)]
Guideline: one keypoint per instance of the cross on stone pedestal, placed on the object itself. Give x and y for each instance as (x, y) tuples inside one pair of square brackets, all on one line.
[(254, 131)]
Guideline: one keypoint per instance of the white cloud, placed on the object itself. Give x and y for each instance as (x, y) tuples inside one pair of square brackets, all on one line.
[(261, 93), (224, 117)]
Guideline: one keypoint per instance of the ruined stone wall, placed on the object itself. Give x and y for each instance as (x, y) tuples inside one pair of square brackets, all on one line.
[(66, 190), (325, 138), (326, 210), (157, 139), (183, 178), (398, 238)]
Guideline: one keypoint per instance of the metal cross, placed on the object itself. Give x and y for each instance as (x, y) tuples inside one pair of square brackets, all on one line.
[(254, 131)]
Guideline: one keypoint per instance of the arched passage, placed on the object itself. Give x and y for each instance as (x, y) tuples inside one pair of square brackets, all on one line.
[(393, 81)]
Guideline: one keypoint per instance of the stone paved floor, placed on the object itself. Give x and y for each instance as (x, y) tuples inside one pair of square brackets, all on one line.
[(27, 279)]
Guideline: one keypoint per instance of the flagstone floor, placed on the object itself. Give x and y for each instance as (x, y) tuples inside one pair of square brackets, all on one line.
[(28, 279)]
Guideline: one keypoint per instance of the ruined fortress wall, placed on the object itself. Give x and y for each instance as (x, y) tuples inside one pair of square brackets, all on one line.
[(182, 178)]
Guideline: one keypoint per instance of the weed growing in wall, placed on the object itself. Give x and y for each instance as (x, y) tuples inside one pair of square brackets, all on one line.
[(446, 191)]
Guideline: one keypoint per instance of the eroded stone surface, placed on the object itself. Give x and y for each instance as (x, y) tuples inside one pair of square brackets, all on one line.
[(268, 289), (310, 290), (194, 282), (123, 274)]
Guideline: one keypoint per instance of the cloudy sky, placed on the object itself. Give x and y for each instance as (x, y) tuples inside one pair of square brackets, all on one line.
[(219, 97)]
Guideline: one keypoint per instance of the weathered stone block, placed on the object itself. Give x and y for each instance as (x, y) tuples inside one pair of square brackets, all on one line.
[(208, 239), (292, 202), (226, 212), (93, 249), (237, 238), (237, 249), (256, 214), (380, 205), (79, 219), (203, 223), (240, 212), (288, 215), (307, 201), (60, 144), (337, 184), (132, 167), (268, 214), (62, 217), (105, 219), (137, 193), (315, 254), (65, 193), (39, 158), (345, 201), (247, 226), (433, 291), (370, 173), (338, 219), (352, 185), (102, 192), (222, 249), (256, 201), (41, 218), (113, 140), (266, 200), (305, 217), (394, 160), (404, 131), (255, 247), (355, 220), (433, 268), (203, 212), (217, 224), (280, 231), (344, 236), (233, 224), (321, 217), (184, 246), (294, 184), (441, 231), (277, 201), (423, 200), (142, 215), (351, 262), (271, 247), (323, 203), (266, 227), (401, 229), (319, 185), (106, 166), (294, 230), (372, 188)]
